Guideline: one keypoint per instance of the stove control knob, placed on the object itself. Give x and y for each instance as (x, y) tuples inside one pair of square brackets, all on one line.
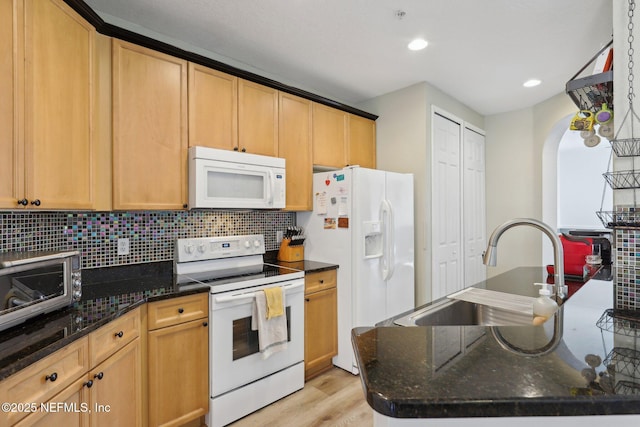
[(256, 243), (202, 248), (247, 244), (188, 248)]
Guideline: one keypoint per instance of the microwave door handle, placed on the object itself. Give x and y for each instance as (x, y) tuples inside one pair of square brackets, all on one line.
[(270, 188)]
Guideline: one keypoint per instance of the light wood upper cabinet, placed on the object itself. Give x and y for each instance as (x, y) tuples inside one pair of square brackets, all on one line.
[(295, 146), (213, 108), (257, 118), (362, 142), (11, 154), (329, 136), (149, 129), (47, 108)]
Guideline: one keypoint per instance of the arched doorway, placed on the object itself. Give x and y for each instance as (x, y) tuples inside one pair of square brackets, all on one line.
[(572, 182)]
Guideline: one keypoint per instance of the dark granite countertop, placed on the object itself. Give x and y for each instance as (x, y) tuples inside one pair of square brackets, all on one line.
[(107, 293), (463, 371)]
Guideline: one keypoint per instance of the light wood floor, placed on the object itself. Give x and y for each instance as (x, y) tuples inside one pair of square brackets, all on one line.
[(333, 399)]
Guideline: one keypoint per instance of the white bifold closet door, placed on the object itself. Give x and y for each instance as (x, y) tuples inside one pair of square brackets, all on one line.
[(458, 205)]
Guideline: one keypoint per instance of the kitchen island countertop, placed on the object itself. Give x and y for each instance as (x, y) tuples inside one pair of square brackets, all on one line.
[(463, 371)]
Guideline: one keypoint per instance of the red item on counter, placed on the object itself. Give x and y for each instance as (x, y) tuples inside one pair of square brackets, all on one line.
[(575, 250)]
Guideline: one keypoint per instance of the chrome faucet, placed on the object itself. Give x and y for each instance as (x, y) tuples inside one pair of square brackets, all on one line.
[(490, 255)]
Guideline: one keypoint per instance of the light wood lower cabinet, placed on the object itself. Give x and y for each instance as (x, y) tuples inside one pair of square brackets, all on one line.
[(115, 398), (67, 389), (98, 380), (178, 360), (43, 380), (320, 322)]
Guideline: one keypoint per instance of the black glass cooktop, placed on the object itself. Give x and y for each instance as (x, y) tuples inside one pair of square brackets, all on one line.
[(238, 274)]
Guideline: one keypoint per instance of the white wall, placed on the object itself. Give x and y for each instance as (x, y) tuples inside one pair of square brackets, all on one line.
[(403, 133), (581, 184), (515, 144)]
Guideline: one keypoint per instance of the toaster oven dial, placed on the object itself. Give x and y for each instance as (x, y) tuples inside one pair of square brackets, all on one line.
[(77, 294)]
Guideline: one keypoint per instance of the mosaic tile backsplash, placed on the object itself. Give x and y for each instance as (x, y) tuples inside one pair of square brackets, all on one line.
[(151, 234), (627, 263)]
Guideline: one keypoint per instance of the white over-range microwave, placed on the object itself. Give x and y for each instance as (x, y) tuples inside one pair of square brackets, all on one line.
[(223, 179)]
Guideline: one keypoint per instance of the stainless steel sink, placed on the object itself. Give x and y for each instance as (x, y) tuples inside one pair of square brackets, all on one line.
[(451, 312)]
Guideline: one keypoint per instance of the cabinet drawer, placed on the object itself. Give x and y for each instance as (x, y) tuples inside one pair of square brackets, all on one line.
[(42, 380), (314, 282), (177, 310), (113, 336)]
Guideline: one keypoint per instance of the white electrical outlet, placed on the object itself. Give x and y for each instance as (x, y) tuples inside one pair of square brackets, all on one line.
[(279, 235), (123, 246)]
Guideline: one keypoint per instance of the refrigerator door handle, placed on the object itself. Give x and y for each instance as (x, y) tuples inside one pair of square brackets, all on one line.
[(387, 263)]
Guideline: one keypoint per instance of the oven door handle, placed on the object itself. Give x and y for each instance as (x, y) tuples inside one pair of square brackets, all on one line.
[(236, 297)]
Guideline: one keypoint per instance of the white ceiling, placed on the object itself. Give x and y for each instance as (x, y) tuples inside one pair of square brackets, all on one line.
[(480, 51)]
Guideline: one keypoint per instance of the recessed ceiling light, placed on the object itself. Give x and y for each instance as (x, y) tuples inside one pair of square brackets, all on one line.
[(417, 44), (531, 83)]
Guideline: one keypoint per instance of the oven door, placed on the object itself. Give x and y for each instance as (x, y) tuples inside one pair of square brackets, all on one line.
[(235, 356)]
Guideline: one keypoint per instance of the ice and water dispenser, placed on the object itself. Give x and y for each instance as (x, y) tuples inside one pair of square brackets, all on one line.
[(373, 239)]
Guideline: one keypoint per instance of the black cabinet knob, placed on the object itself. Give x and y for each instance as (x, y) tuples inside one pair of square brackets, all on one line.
[(235, 148), (321, 281), (51, 377), (185, 206), (307, 299), (88, 384), (119, 334), (99, 375), (23, 202), (36, 202), (244, 150), (181, 310), (205, 324)]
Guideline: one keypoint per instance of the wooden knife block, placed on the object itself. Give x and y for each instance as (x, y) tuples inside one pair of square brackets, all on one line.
[(290, 253)]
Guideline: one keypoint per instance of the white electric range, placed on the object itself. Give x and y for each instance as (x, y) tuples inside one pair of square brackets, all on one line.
[(241, 380)]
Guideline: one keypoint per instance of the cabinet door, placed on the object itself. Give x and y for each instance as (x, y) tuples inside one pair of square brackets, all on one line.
[(11, 156), (329, 136), (59, 64), (362, 142), (149, 129), (257, 118), (69, 408), (178, 310), (116, 393), (42, 380), (113, 336), (320, 331), (295, 146), (178, 373), (213, 108), (59, 67)]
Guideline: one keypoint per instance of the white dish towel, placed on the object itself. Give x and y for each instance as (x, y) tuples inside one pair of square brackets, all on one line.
[(272, 333)]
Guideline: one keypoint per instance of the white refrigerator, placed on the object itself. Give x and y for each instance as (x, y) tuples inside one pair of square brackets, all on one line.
[(362, 220)]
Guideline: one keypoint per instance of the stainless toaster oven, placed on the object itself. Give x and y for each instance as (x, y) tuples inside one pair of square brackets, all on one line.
[(33, 283)]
